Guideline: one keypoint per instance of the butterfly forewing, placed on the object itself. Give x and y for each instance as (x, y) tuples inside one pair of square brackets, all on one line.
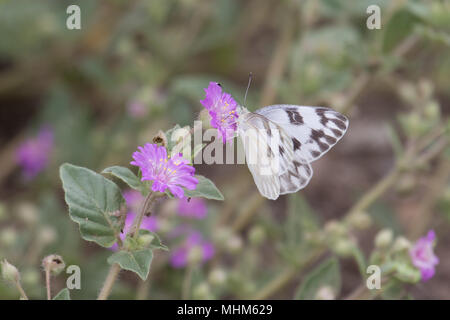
[(313, 130)]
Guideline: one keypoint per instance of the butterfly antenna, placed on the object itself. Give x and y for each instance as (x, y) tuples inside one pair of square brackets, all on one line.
[(250, 75)]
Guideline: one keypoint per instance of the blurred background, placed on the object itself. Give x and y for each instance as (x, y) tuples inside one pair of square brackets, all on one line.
[(91, 96)]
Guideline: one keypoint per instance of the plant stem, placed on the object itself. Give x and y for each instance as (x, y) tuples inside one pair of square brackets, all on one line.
[(138, 219), (21, 291), (187, 282), (109, 282), (48, 283)]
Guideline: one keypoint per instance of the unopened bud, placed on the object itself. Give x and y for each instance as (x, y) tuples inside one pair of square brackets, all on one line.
[(8, 236), (432, 111), (408, 92), (222, 235), (406, 184), (360, 220), (257, 235), (144, 240), (426, 88), (234, 244), (27, 213), (9, 272), (54, 263), (195, 255), (384, 238), (47, 235), (325, 293), (343, 247), (401, 244), (202, 291), (335, 229), (217, 277)]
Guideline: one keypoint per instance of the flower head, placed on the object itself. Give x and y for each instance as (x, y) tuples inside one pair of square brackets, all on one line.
[(423, 257), (194, 208), (33, 154), (193, 243), (222, 109), (165, 172)]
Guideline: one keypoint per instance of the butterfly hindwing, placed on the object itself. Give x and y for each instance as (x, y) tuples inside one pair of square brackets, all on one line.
[(313, 130)]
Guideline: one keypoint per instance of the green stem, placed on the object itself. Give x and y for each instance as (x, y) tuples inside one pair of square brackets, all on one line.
[(187, 282), (109, 282)]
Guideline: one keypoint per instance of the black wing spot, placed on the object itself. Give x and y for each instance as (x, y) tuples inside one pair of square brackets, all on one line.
[(340, 124), (297, 144), (315, 153), (281, 150), (294, 117)]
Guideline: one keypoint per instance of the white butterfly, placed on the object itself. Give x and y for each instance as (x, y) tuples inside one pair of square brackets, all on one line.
[(280, 142)]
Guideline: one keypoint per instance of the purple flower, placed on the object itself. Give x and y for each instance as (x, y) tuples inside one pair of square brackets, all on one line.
[(423, 257), (134, 199), (172, 173), (194, 241), (33, 154), (222, 109), (195, 208)]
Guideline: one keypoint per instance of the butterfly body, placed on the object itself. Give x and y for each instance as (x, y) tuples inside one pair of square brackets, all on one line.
[(281, 141)]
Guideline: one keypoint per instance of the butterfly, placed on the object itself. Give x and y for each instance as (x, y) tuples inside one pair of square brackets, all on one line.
[(281, 141)]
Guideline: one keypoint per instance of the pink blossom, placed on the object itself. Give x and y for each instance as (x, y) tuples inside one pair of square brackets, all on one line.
[(423, 257)]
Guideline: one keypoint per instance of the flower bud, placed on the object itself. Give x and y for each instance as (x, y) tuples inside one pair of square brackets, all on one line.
[(217, 277), (334, 228), (343, 247), (406, 184), (54, 263), (325, 293), (47, 235), (9, 272), (144, 240), (426, 88), (234, 244), (432, 111), (8, 236), (407, 273), (257, 235), (221, 236), (401, 244), (408, 92), (202, 291), (195, 255), (384, 238), (360, 220), (27, 213)]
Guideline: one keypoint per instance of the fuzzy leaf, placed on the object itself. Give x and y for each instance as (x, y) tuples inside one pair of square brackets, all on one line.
[(91, 199), (138, 261), (205, 189), (127, 176), (64, 294)]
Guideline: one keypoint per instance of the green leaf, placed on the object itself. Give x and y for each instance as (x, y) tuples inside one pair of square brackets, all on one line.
[(136, 261), (399, 27), (127, 176), (64, 294), (156, 242), (205, 189), (91, 199), (327, 274)]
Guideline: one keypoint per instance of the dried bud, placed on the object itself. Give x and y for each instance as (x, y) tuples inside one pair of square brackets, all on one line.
[(54, 263), (160, 139), (9, 272), (343, 247), (384, 238)]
